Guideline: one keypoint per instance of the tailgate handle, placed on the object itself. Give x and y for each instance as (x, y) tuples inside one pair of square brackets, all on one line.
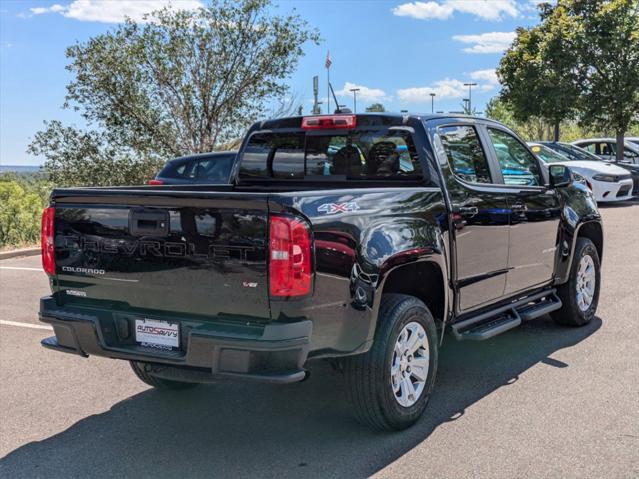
[(149, 223)]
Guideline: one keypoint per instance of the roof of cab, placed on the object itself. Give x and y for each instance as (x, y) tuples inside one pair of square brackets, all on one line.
[(210, 154), (380, 119)]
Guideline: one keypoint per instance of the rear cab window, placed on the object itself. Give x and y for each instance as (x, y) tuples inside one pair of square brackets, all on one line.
[(350, 154)]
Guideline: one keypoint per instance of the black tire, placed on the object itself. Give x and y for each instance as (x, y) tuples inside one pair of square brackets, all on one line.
[(570, 313), (368, 375), (160, 383)]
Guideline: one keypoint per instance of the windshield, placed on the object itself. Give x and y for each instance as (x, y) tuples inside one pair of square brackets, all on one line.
[(574, 152), (632, 147), (548, 155)]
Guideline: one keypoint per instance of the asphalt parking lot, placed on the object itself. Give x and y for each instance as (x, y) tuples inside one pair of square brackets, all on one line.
[(538, 401)]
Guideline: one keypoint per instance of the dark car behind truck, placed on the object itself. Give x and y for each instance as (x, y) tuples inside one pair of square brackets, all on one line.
[(204, 168), (361, 238)]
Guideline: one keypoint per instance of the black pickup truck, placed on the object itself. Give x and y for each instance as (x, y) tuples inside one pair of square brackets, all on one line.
[(359, 238)]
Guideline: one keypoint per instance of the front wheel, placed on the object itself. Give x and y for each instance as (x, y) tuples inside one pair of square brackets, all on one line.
[(580, 294), (389, 386)]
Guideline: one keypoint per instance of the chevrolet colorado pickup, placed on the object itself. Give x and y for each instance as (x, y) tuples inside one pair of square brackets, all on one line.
[(361, 238)]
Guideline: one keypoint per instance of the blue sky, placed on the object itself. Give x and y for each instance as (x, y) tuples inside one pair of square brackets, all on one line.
[(396, 52)]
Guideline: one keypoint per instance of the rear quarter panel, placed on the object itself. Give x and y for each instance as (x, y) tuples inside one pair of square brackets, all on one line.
[(359, 238)]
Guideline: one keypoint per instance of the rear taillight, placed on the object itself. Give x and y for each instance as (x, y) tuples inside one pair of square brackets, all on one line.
[(47, 245), (290, 265), (155, 182), (329, 122)]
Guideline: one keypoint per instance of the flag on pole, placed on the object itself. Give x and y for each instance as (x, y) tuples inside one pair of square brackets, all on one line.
[(328, 62)]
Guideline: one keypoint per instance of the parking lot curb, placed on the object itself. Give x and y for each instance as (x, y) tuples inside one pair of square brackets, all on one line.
[(19, 252)]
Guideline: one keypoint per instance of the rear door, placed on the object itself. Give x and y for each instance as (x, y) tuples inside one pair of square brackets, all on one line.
[(184, 253), (480, 216), (534, 212)]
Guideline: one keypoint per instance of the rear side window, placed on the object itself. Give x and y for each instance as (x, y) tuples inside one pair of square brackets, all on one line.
[(216, 168), (356, 154), (465, 153)]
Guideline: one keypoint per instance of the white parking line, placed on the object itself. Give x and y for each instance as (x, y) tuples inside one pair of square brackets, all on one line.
[(25, 325), (20, 268)]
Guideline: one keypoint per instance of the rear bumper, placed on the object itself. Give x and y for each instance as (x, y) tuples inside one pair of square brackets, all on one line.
[(274, 352)]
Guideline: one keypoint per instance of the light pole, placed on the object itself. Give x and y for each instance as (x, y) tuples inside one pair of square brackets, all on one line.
[(432, 103), (470, 87), (354, 90)]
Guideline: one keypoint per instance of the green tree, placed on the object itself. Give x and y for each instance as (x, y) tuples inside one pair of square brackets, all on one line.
[(538, 70), (607, 43), (376, 107), (183, 83), (21, 203), (536, 128), (532, 129)]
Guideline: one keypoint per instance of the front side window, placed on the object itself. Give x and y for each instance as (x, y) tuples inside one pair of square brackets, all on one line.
[(518, 166), (465, 153)]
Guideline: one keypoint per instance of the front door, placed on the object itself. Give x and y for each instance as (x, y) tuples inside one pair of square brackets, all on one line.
[(534, 216), (480, 217)]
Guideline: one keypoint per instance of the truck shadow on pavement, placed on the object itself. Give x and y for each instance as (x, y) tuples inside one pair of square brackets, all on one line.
[(304, 429)]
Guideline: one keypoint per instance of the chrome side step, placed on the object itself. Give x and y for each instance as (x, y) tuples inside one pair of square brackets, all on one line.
[(503, 318)]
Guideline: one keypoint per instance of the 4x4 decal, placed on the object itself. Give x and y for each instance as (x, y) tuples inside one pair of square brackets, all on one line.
[(334, 208)]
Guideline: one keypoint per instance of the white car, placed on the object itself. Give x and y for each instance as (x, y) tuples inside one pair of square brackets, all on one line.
[(608, 182), (606, 148)]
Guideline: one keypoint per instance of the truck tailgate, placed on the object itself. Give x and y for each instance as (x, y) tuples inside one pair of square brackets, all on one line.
[(201, 254)]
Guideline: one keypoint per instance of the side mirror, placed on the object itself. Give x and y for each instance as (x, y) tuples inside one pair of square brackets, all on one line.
[(560, 176)]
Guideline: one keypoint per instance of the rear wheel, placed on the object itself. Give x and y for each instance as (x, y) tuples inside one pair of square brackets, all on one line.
[(141, 371), (390, 385), (580, 294)]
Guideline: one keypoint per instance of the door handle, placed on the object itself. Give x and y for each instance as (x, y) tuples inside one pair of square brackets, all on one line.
[(518, 208), (148, 222), (468, 211)]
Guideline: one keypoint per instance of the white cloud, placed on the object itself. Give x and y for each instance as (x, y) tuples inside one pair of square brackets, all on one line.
[(492, 42), (444, 9), (364, 94), (113, 11), (487, 79), (449, 88), (52, 9)]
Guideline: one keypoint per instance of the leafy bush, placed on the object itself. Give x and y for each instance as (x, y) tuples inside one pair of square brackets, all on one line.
[(21, 203)]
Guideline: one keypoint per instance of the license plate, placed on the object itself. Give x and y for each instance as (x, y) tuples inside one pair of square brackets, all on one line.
[(157, 334)]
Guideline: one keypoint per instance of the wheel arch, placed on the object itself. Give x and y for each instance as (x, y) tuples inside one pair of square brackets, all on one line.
[(592, 230), (425, 279)]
